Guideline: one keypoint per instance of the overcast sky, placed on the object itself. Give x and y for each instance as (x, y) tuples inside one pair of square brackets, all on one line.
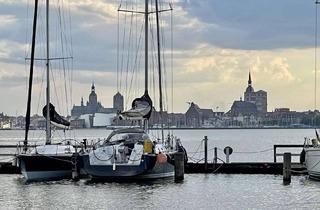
[(216, 43)]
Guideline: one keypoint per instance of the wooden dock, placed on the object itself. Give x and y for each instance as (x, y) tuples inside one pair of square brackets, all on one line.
[(244, 168)]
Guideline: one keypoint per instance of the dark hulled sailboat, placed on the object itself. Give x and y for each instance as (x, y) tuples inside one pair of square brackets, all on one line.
[(48, 161), (134, 154)]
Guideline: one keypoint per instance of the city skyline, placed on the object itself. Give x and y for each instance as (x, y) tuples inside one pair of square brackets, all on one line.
[(274, 40)]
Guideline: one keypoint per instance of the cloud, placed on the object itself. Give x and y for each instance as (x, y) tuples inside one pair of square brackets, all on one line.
[(252, 24), (215, 45), (7, 20)]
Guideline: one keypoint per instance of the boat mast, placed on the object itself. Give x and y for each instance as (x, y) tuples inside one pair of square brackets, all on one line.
[(146, 28), (48, 128), (159, 70), (34, 31)]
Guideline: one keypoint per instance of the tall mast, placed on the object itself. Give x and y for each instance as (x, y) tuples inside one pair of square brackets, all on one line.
[(159, 70), (34, 31), (146, 23), (48, 128)]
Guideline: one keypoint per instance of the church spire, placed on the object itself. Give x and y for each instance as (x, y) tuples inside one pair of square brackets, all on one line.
[(249, 81), (92, 87)]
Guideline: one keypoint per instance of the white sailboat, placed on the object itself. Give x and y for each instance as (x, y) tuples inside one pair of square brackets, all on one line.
[(310, 154), (132, 153), (49, 161)]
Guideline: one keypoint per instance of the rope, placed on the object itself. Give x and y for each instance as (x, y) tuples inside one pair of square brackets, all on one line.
[(241, 152), (299, 172)]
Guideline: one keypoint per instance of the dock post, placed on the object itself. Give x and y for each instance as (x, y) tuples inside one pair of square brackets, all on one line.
[(75, 167), (286, 168), (227, 154), (274, 153), (178, 166), (215, 158), (205, 153)]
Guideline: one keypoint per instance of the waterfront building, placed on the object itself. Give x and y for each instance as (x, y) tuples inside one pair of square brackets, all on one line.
[(197, 117), (93, 106), (118, 102)]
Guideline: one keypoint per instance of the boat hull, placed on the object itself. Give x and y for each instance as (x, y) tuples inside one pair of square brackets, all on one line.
[(45, 167), (312, 161), (149, 168)]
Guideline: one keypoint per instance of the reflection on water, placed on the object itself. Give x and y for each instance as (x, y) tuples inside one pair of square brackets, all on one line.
[(198, 191)]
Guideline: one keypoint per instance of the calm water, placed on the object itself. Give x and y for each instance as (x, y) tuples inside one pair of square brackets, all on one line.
[(198, 191)]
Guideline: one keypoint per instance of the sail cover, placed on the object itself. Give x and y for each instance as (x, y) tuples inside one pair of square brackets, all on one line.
[(55, 118), (140, 109)]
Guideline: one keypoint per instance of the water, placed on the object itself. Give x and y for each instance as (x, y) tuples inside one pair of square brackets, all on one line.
[(249, 145), (198, 191)]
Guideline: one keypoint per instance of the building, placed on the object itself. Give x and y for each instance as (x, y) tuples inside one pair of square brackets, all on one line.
[(258, 98), (93, 106), (197, 117), (243, 108), (118, 102), (242, 114)]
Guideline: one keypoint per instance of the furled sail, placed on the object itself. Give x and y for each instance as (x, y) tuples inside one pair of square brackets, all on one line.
[(141, 108), (55, 118)]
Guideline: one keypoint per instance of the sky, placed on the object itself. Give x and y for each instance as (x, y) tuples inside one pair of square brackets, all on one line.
[(215, 45)]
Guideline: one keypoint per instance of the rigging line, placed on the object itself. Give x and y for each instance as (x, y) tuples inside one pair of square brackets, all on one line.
[(315, 59), (71, 51), (118, 52), (164, 60), (54, 85), (123, 45), (136, 50), (41, 88), (28, 46), (152, 63), (136, 57), (67, 52), (62, 51), (128, 53), (171, 65)]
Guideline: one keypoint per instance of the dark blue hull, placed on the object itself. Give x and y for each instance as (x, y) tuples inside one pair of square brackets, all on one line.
[(149, 168), (43, 168)]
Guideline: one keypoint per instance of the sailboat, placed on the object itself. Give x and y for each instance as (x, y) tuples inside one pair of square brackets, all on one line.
[(310, 155), (49, 161), (132, 153)]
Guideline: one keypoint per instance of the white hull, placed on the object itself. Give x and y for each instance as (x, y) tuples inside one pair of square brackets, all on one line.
[(312, 162)]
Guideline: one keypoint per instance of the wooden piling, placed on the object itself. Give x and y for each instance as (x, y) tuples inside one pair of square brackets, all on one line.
[(178, 166), (286, 168), (75, 167), (205, 153)]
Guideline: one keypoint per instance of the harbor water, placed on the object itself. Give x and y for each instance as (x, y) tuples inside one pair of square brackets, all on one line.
[(198, 191)]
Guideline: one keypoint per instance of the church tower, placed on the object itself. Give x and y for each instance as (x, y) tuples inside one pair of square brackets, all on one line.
[(258, 98), (249, 95), (93, 100), (118, 102)]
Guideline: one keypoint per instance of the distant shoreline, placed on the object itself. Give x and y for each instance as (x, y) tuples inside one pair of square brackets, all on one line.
[(223, 128)]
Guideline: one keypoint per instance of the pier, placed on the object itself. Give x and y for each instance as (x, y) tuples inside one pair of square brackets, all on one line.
[(9, 166)]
